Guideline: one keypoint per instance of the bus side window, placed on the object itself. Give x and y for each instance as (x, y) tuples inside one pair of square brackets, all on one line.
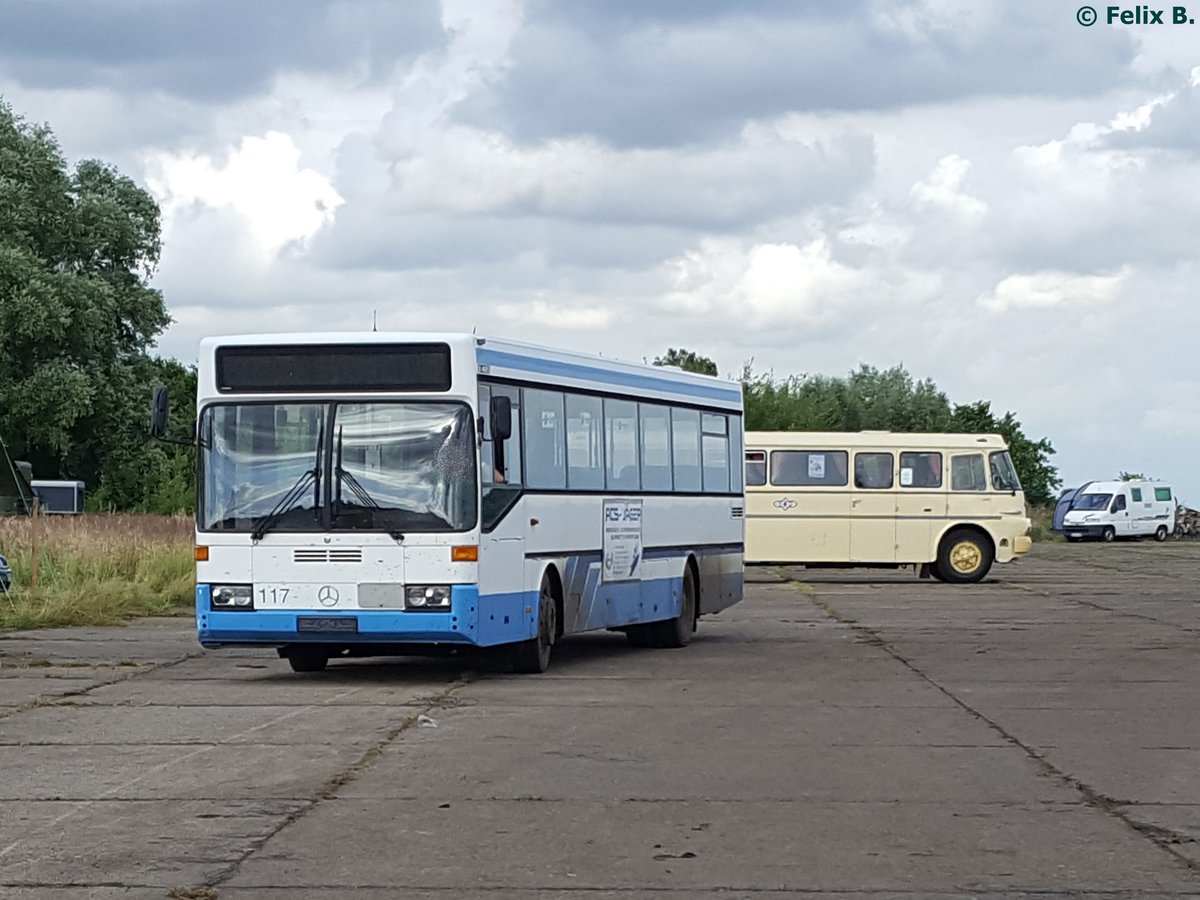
[(967, 473), (873, 470), (920, 470), (491, 474), (756, 468)]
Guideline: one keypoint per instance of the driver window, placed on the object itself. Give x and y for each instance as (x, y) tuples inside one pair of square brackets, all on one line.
[(489, 473), (1118, 503)]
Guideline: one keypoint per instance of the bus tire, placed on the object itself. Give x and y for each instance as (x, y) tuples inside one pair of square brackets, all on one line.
[(936, 571), (1109, 534), (965, 556), (677, 632), (1161, 534), (642, 635), (307, 659), (532, 657)]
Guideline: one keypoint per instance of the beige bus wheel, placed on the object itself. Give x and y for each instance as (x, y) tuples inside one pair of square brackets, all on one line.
[(965, 556)]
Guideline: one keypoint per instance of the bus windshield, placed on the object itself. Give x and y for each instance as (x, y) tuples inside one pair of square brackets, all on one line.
[(1004, 474), (373, 466)]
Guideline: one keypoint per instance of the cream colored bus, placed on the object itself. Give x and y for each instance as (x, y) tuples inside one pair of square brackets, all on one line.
[(946, 504)]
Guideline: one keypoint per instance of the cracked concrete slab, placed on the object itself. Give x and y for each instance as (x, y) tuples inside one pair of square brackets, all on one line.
[(858, 735)]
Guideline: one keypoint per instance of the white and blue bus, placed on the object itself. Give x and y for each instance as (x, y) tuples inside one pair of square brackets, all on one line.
[(374, 493)]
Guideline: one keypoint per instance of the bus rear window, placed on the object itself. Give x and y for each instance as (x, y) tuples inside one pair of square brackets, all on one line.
[(809, 467)]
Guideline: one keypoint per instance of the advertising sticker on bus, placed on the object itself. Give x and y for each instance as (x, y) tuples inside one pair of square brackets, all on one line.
[(816, 465), (622, 540)]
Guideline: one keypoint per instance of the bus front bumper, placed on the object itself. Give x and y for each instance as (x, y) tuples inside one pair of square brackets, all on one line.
[(497, 619)]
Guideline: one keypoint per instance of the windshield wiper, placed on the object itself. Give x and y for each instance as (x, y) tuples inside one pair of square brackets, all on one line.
[(361, 494), (295, 492)]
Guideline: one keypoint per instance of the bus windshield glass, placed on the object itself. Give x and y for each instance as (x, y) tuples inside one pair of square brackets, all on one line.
[(374, 466), (1004, 474)]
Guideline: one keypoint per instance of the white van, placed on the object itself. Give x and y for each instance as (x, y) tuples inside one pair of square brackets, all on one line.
[(1121, 509)]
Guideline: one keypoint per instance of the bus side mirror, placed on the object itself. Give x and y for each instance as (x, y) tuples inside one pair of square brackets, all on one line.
[(501, 416), (160, 408)]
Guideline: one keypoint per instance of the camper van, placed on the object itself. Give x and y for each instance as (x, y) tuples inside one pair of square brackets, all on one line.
[(1108, 510)]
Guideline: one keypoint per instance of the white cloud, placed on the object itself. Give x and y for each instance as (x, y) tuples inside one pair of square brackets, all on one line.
[(262, 181), (1049, 290), (943, 189), (785, 287)]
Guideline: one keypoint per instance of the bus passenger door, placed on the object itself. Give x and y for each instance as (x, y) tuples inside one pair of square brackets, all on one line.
[(873, 509), (920, 506)]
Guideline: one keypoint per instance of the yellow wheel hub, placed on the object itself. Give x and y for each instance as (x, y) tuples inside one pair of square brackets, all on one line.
[(966, 557)]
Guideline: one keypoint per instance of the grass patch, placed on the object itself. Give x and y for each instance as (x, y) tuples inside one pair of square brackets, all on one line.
[(1041, 518), (96, 569)]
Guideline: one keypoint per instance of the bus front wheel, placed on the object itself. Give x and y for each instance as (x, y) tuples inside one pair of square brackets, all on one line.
[(307, 659), (964, 557), (532, 657)]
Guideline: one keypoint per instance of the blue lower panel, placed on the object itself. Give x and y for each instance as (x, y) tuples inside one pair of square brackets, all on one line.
[(609, 604), (374, 625), (505, 618)]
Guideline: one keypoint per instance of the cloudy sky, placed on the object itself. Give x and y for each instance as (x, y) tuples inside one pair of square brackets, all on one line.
[(985, 192)]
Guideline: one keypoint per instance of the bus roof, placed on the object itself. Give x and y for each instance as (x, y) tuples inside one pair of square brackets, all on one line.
[(517, 355), (831, 440)]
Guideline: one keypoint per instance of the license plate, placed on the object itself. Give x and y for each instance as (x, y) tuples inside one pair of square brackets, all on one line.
[(1076, 534), (327, 624)]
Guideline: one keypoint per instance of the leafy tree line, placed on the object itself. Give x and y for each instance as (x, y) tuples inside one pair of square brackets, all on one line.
[(78, 247), (872, 399)]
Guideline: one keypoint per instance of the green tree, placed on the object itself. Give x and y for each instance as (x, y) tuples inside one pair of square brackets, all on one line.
[(688, 361), (77, 313)]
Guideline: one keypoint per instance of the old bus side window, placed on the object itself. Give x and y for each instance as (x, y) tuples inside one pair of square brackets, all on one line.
[(873, 470), (756, 468), (809, 467), (920, 470), (967, 473)]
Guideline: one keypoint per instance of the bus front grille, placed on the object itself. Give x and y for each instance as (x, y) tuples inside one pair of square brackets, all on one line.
[(328, 555)]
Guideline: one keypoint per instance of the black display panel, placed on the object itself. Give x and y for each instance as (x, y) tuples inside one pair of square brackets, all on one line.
[(327, 368)]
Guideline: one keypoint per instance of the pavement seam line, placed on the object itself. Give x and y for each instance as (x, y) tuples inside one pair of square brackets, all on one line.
[(42, 700), (200, 750), (1092, 797), (348, 775)]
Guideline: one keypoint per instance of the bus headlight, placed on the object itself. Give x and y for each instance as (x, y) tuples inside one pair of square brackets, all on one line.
[(233, 596), (433, 597)]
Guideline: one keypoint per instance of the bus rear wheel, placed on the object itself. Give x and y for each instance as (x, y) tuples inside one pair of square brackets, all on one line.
[(965, 556), (676, 632), (532, 657)]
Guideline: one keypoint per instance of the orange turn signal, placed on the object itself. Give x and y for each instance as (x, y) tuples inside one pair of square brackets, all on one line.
[(201, 554), (465, 553)]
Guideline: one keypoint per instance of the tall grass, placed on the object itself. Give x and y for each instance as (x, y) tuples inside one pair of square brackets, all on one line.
[(1042, 519), (96, 569)]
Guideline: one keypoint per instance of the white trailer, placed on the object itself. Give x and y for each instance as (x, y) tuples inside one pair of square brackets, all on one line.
[(1108, 510)]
